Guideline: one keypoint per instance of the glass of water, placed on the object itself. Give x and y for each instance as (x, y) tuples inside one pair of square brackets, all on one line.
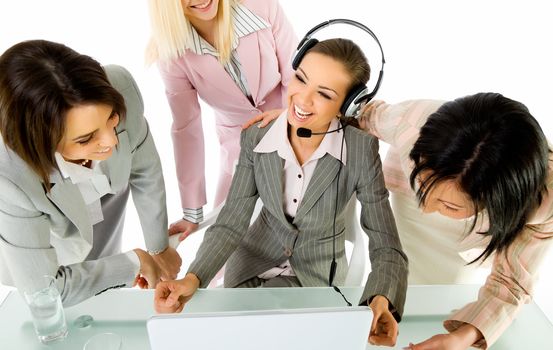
[(44, 301)]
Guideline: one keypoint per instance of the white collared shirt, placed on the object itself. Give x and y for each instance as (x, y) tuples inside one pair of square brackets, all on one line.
[(296, 177), (92, 183), (245, 22)]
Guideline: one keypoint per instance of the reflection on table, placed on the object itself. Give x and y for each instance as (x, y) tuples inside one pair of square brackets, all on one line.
[(125, 312)]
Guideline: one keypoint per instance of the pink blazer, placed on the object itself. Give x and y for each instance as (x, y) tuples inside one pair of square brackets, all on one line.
[(266, 59)]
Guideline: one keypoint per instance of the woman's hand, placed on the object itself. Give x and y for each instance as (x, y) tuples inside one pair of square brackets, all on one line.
[(169, 262), (384, 327), (367, 112), (149, 273), (266, 118), (459, 339), (184, 227), (171, 296)]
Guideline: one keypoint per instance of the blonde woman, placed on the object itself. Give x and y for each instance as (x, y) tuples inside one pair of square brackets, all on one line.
[(233, 55)]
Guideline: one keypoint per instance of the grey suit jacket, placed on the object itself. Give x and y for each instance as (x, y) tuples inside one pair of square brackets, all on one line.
[(50, 232), (307, 239)]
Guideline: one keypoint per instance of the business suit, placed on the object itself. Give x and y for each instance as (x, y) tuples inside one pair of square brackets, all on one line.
[(265, 58), (51, 233), (306, 240)]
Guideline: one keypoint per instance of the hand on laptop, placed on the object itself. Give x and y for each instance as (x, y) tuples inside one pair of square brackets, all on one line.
[(384, 327), (170, 296)]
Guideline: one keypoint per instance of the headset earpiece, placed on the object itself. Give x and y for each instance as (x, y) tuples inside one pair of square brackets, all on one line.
[(360, 94), (354, 100), (302, 49)]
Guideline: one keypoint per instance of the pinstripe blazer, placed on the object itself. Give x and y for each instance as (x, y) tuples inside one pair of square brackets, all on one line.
[(306, 240)]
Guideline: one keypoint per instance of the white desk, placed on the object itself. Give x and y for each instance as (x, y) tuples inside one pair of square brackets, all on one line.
[(125, 312)]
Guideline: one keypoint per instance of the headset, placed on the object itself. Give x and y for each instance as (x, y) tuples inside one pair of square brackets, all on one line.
[(359, 95), (353, 102)]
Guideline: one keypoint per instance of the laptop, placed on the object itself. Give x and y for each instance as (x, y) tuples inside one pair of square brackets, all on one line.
[(290, 329)]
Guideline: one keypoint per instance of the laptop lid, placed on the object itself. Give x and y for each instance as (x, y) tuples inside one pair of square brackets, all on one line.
[(291, 329)]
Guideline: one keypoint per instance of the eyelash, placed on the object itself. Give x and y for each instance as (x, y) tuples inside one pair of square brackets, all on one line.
[(85, 142), (325, 96), (300, 78), (451, 209)]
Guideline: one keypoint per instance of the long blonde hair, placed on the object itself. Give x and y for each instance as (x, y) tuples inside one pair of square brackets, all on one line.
[(171, 34)]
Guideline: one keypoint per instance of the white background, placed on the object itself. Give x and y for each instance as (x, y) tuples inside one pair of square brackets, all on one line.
[(434, 49)]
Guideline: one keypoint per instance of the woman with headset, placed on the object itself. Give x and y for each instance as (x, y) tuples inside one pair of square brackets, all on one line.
[(74, 145), (484, 164), (235, 56), (305, 167)]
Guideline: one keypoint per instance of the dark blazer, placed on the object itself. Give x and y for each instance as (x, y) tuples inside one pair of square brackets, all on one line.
[(307, 238)]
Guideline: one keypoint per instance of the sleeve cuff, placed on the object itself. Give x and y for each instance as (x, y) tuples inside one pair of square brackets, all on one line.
[(135, 261), (453, 325), (194, 215)]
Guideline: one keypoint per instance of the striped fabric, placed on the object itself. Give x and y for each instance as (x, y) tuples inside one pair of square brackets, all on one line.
[(297, 177), (511, 281), (245, 22), (307, 239)]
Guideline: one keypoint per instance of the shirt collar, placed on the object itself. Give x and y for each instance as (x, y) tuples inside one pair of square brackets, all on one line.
[(74, 171), (244, 22), (276, 139)]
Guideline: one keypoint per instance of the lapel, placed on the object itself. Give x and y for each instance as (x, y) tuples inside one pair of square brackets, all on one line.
[(66, 196), (213, 74), (248, 55), (324, 174), (271, 166), (118, 167)]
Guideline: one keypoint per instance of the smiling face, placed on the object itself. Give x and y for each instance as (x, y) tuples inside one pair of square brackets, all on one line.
[(203, 10), (314, 95), (447, 198), (89, 133)]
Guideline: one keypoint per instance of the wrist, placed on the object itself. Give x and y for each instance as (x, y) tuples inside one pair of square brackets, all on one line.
[(143, 257), (467, 335), (157, 252), (379, 302), (193, 279)]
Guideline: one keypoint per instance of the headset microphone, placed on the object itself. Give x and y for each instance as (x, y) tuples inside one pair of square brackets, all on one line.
[(353, 102), (307, 133)]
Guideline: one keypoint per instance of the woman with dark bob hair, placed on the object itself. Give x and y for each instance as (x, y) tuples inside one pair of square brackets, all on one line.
[(484, 164), (74, 143)]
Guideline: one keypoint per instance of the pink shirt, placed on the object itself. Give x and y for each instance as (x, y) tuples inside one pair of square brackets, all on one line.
[(296, 177), (514, 272)]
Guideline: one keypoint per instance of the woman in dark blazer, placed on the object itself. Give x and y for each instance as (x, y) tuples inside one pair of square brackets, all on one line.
[(74, 144), (303, 183)]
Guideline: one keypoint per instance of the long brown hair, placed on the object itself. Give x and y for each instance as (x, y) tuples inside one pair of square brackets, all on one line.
[(40, 81)]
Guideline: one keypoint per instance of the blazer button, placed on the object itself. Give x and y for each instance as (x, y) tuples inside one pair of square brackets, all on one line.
[(288, 252)]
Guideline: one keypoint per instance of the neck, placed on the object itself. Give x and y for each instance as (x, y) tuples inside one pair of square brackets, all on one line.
[(304, 147), (206, 29)]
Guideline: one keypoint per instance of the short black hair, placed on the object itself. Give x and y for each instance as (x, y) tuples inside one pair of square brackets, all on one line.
[(496, 152)]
